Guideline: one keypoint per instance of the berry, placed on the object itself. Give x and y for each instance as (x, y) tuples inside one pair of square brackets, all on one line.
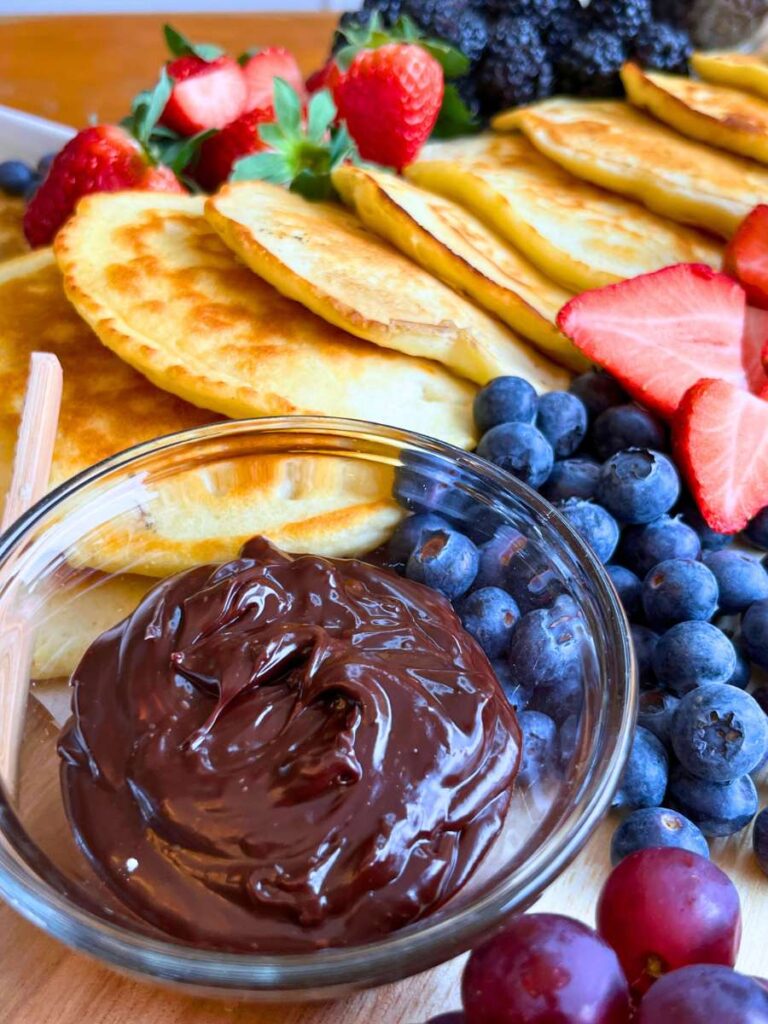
[(518, 696), (390, 98), (659, 333), (568, 739), (761, 696), (539, 746), (598, 391), (562, 419), (389, 10), (260, 71), (408, 533), (567, 24), (702, 993), (757, 530), (693, 654), (594, 525), (719, 427), (544, 968), (205, 94), (461, 25), (742, 674), (426, 484), (325, 77), (591, 65), (656, 826), (664, 48), (512, 562), (710, 539), (754, 633), (516, 67), (629, 588), (572, 478), (741, 580), (625, 18), (489, 615), (520, 449), (664, 908), (627, 426), (645, 776), (444, 560), (102, 158), (656, 713), (545, 656), (505, 400), (15, 177), (679, 590), (239, 138), (504, 549), (760, 839), (720, 733), (638, 485), (643, 547), (644, 643), (718, 810)]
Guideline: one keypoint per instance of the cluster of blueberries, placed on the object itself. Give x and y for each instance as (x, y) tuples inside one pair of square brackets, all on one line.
[(698, 607), (20, 179)]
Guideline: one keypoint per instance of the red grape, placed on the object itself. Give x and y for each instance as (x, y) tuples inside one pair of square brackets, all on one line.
[(545, 969), (662, 909), (703, 994)]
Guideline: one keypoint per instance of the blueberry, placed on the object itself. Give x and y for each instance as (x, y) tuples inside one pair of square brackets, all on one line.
[(757, 531), (693, 654), (627, 426), (761, 696), (643, 547), (741, 580), (718, 810), (742, 674), (629, 588), (719, 733), (444, 560), (15, 177), (520, 449), (657, 712), (425, 484), (645, 775), (593, 524), (518, 696), (44, 163), (678, 590), (546, 655), (760, 839), (638, 485), (539, 738), (572, 478), (754, 633), (489, 615), (407, 534), (654, 827), (568, 739), (509, 560), (505, 400), (644, 642), (504, 549), (709, 538), (598, 391), (562, 419)]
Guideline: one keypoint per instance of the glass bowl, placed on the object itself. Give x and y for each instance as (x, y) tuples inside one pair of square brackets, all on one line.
[(81, 559)]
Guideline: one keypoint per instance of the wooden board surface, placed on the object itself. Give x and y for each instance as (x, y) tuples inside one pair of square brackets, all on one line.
[(69, 69)]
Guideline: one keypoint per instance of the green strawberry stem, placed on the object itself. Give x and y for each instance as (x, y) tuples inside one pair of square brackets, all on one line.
[(179, 46)]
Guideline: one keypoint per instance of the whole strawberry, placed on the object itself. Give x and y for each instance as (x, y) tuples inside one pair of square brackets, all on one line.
[(240, 138), (103, 158), (390, 98)]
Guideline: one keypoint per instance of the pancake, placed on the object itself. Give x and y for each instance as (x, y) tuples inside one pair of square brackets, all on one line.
[(577, 234), (455, 246), (161, 290), (611, 144), (748, 71), (717, 114), (12, 240), (322, 256)]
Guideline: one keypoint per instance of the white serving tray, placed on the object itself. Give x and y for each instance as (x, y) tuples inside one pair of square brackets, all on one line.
[(27, 137)]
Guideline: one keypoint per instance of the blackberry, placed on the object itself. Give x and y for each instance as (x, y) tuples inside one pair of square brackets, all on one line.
[(591, 65), (673, 12), (540, 11), (516, 68), (425, 12), (622, 18), (462, 27), (664, 47), (389, 10), (349, 19), (467, 89), (566, 26)]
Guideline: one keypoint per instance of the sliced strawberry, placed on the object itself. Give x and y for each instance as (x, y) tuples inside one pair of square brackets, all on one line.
[(263, 68), (659, 333), (755, 348), (206, 94), (721, 444), (746, 257), (326, 77), (237, 139)]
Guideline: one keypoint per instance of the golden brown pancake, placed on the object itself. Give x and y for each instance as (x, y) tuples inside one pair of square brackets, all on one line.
[(322, 256), (748, 71), (12, 240)]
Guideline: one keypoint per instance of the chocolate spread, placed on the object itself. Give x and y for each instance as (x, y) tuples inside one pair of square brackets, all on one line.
[(285, 753)]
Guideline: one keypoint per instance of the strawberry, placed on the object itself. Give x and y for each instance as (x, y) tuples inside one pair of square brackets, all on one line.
[(205, 94), (103, 158), (755, 349), (261, 69), (746, 257), (326, 77), (721, 444), (241, 137), (659, 333), (390, 98)]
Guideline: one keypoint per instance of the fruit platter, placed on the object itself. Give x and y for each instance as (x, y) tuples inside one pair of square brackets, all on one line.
[(386, 635)]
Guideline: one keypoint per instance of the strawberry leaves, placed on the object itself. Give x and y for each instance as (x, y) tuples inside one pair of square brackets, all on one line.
[(455, 117), (179, 46)]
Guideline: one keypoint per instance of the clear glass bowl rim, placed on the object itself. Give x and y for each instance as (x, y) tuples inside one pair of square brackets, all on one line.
[(403, 953)]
